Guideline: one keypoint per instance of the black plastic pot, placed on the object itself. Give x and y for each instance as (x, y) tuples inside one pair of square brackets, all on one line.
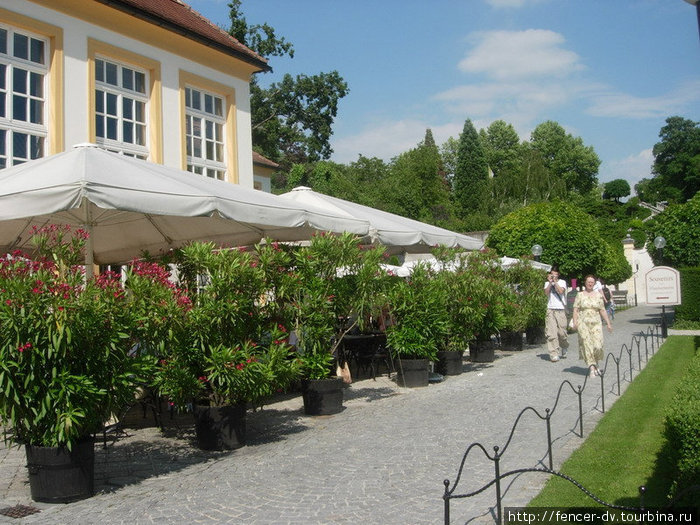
[(220, 428), (59, 475), (482, 351), (449, 362), (412, 373), (534, 335), (322, 397), (512, 341)]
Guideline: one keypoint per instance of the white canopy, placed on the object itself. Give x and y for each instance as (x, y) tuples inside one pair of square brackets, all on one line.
[(507, 262), (130, 206), (385, 228)]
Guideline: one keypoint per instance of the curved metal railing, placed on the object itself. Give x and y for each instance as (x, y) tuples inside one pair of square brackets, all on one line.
[(652, 334)]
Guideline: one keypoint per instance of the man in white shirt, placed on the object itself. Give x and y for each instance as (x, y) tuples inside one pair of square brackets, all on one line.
[(556, 323)]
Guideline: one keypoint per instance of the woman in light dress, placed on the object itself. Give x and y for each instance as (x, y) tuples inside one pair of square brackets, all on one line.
[(588, 311)]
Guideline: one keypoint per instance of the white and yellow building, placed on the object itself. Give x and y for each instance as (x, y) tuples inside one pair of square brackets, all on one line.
[(147, 78)]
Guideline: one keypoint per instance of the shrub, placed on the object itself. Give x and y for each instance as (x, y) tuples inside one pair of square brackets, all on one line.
[(418, 307), (690, 295), (682, 429), (65, 360)]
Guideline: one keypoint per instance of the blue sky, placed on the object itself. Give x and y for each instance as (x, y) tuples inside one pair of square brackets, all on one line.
[(609, 71)]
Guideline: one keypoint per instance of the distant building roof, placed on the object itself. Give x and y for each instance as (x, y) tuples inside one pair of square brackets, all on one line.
[(178, 17), (262, 161)]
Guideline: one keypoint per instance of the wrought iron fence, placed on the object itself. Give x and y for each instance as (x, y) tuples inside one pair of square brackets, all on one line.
[(652, 337)]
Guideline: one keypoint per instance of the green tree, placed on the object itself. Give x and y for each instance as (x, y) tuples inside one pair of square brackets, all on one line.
[(448, 153), (291, 119), (616, 189), (566, 156), (655, 190), (528, 181), (415, 189), (471, 171), (677, 156), (569, 237), (614, 267), (679, 224), (501, 145)]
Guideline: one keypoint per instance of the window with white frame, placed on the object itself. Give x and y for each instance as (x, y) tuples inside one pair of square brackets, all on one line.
[(205, 122), (120, 108), (23, 74)]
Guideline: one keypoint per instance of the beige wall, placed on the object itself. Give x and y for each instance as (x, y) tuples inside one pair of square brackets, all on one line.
[(78, 30)]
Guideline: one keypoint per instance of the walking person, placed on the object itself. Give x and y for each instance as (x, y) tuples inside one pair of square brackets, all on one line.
[(556, 324), (588, 311), (608, 300)]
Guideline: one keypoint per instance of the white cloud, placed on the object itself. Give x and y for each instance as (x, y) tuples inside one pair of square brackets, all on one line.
[(520, 54), (633, 168), (521, 102), (388, 139), (610, 104)]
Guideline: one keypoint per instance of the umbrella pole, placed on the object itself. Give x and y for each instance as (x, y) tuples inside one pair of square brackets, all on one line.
[(89, 258), (89, 246)]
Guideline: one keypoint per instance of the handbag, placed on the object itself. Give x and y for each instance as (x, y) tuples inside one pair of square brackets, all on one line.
[(344, 373)]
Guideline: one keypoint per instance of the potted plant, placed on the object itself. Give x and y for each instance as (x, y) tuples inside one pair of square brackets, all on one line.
[(520, 279), (488, 293), (340, 284), (231, 351), (461, 311), (418, 306), (531, 298), (65, 361)]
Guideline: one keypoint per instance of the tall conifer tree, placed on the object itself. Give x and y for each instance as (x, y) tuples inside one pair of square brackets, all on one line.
[(471, 171)]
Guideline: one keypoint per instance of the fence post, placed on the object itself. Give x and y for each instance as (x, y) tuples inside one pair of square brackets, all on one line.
[(646, 348), (629, 354), (602, 390), (617, 365), (642, 491), (549, 438), (580, 410), (446, 498), (496, 463)]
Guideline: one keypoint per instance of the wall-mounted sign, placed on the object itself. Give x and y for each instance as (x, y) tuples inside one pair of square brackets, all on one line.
[(663, 286)]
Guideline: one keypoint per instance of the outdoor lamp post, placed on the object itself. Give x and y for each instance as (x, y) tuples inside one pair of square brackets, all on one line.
[(659, 243), (536, 251)]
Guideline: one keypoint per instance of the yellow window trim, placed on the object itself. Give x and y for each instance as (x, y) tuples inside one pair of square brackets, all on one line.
[(54, 34), (155, 104), (229, 95), (149, 33)]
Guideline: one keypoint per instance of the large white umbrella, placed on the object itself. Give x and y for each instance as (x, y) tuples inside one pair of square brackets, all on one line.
[(130, 206), (386, 228), (507, 262)]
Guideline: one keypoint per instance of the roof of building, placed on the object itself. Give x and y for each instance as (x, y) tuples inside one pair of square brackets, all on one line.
[(177, 16), (263, 161)]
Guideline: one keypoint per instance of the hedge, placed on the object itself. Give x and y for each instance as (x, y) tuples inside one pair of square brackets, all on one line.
[(682, 430), (690, 295)]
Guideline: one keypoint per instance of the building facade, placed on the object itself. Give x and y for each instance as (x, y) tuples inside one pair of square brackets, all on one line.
[(147, 78)]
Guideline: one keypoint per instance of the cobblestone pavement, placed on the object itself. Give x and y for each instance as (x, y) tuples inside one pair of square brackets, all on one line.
[(380, 461)]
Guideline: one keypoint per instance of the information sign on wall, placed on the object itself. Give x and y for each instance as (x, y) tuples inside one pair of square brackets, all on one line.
[(663, 286)]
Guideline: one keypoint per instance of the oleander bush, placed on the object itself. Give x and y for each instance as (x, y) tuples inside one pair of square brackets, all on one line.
[(682, 428)]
